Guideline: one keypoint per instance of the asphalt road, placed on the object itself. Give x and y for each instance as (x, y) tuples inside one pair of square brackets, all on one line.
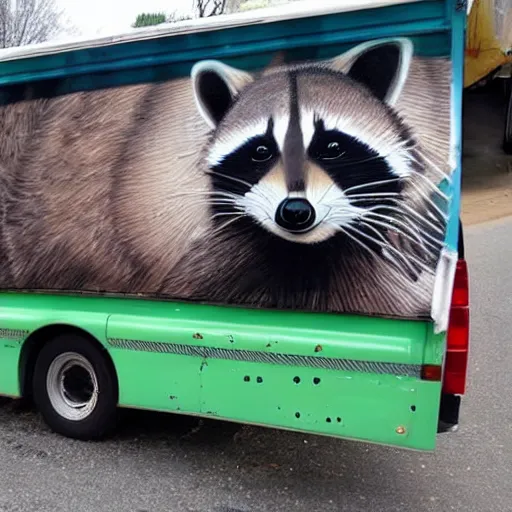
[(154, 465)]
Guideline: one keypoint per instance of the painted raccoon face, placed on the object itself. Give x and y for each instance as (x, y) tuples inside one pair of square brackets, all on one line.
[(309, 151)]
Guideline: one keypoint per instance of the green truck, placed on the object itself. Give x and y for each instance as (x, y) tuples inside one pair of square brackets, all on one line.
[(252, 217)]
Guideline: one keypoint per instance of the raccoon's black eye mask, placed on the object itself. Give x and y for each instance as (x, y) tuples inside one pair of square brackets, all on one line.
[(239, 171), (351, 162), (248, 163)]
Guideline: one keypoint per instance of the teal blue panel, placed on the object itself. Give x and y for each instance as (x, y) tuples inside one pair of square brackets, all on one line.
[(457, 56), (428, 44)]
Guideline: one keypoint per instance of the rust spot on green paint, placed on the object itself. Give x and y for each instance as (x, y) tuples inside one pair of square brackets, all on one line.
[(197, 336), (318, 348)]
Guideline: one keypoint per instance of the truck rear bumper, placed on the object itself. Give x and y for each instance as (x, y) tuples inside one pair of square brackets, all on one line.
[(385, 409)]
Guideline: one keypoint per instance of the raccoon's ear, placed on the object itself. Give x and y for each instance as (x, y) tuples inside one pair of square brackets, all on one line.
[(216, 86), (381, 65)]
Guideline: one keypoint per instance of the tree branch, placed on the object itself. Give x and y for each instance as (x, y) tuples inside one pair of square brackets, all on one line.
[(28, 21)]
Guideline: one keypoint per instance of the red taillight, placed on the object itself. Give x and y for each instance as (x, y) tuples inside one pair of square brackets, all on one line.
[(431, 372), (457, 340)]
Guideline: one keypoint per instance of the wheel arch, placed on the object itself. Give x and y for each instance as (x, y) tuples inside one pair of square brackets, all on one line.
[(34, 343)]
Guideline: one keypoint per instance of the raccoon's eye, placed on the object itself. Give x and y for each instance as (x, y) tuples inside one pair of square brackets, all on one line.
[(261, 153), (330, 151)]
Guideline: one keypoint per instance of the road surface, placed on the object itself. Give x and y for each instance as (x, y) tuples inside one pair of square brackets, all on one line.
[(152, 467)]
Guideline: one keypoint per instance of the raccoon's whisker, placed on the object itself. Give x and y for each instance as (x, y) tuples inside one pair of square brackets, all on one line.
[(374, 194), (431, 165), (218, 230), (328, 189), (433, 186), (229, 195), (232, 178), (209, 202), (219, 198), (435, 243), (222, 203), (219, 201), (356, 161), (389, 247), (391, 221), (368, 224), (370, 184), (264, 191), (226, 214), (427, 238), (427, 198), (405, 263), (413, 238), (362, 244), (254, 201), (204, 193), (354, 238), (377, 232), (405, 209), (198, 194), (229, 208)]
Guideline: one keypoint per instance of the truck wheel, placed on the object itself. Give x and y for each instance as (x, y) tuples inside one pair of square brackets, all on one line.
[(75, 388), (507, 138)]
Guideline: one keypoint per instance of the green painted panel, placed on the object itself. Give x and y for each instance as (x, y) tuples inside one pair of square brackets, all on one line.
[(10, 349), (354, 338), (435, 347), (371, 406), (31, 312), (347, 336), (346, 404), (153, 381), (350, 405)]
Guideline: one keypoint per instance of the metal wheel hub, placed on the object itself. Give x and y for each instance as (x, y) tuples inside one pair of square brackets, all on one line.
[(72, 386)]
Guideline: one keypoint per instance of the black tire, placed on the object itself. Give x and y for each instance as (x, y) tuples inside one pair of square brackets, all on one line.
[(507, 136), (71, 371)]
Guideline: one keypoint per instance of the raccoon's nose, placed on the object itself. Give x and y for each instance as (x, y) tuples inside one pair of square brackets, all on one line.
[(295, 215)]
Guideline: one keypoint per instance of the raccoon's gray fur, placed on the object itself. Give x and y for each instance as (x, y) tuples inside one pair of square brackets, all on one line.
[(90, 199), (114, 190)]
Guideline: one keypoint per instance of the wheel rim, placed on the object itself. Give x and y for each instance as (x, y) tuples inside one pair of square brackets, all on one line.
[(72, 386)]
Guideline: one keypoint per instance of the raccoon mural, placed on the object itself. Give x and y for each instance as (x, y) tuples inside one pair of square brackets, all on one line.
[(311, 186)]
